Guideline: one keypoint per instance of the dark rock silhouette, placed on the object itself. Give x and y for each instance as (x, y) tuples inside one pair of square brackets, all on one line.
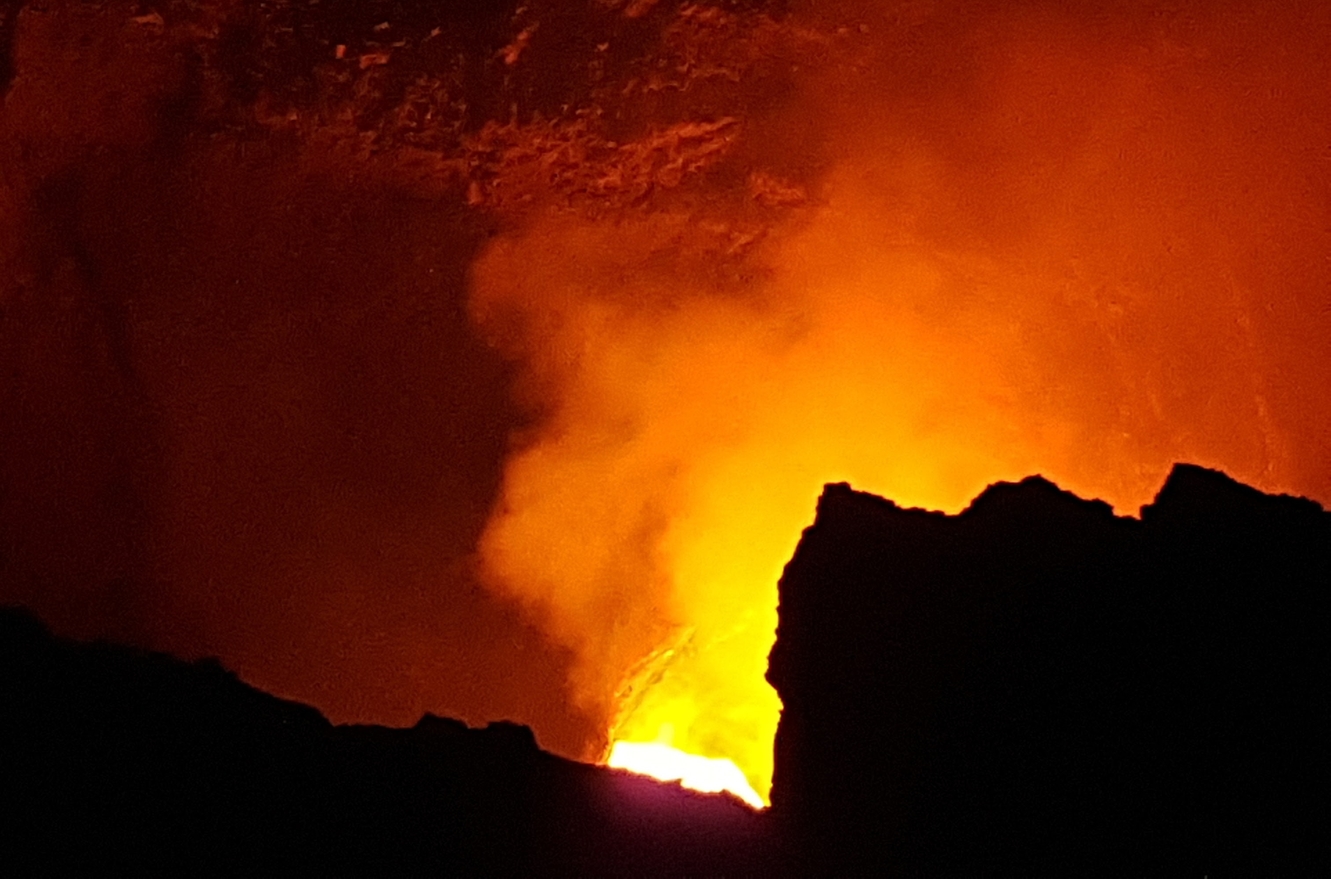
[(1037, 687), (114, 760), (1032, 687)]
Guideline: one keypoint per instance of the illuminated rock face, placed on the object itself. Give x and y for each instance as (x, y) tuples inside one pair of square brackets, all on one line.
[(1037, 686)]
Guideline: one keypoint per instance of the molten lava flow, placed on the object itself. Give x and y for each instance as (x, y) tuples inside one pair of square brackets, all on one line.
[(706, 774)]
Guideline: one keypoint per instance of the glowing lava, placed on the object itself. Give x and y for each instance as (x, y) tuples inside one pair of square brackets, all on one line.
[(706, 774)]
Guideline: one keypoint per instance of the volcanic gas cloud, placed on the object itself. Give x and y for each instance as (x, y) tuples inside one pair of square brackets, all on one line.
[(1083, 245), (914, 247)]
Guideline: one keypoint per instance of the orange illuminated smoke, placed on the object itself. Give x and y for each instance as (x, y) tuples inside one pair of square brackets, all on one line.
[(1047, 257), (706, 774)]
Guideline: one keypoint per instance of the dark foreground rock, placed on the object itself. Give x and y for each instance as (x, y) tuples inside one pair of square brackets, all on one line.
[(1033, 687), (115, 761), (1037, 687)]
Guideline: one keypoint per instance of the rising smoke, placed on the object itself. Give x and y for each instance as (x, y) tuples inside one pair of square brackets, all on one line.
[(505, 389), (1085, 244)]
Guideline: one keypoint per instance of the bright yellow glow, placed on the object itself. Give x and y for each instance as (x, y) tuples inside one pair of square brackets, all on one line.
[(648, 523), (706, 774), (690, 418)]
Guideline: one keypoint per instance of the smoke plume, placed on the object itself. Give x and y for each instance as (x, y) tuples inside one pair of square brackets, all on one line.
[(488, 359), (1085, 243)]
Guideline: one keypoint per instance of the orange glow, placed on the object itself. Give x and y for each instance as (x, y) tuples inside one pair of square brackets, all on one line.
[(650, 524), (917, 247), (660, 761), (1049, 264)]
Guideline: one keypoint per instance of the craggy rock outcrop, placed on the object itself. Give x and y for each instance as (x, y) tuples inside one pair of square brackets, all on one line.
[(119, 761), (1037, 687), (1031, 687)]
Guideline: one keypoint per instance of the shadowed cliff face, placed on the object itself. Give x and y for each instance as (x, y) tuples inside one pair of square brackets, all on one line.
[(1037, 687)]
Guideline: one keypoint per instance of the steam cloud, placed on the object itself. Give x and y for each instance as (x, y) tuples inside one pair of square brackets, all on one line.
[(1085, 244), (265, 398)]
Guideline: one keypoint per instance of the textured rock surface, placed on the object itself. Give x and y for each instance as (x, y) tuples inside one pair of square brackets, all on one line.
[(1037, 686)]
